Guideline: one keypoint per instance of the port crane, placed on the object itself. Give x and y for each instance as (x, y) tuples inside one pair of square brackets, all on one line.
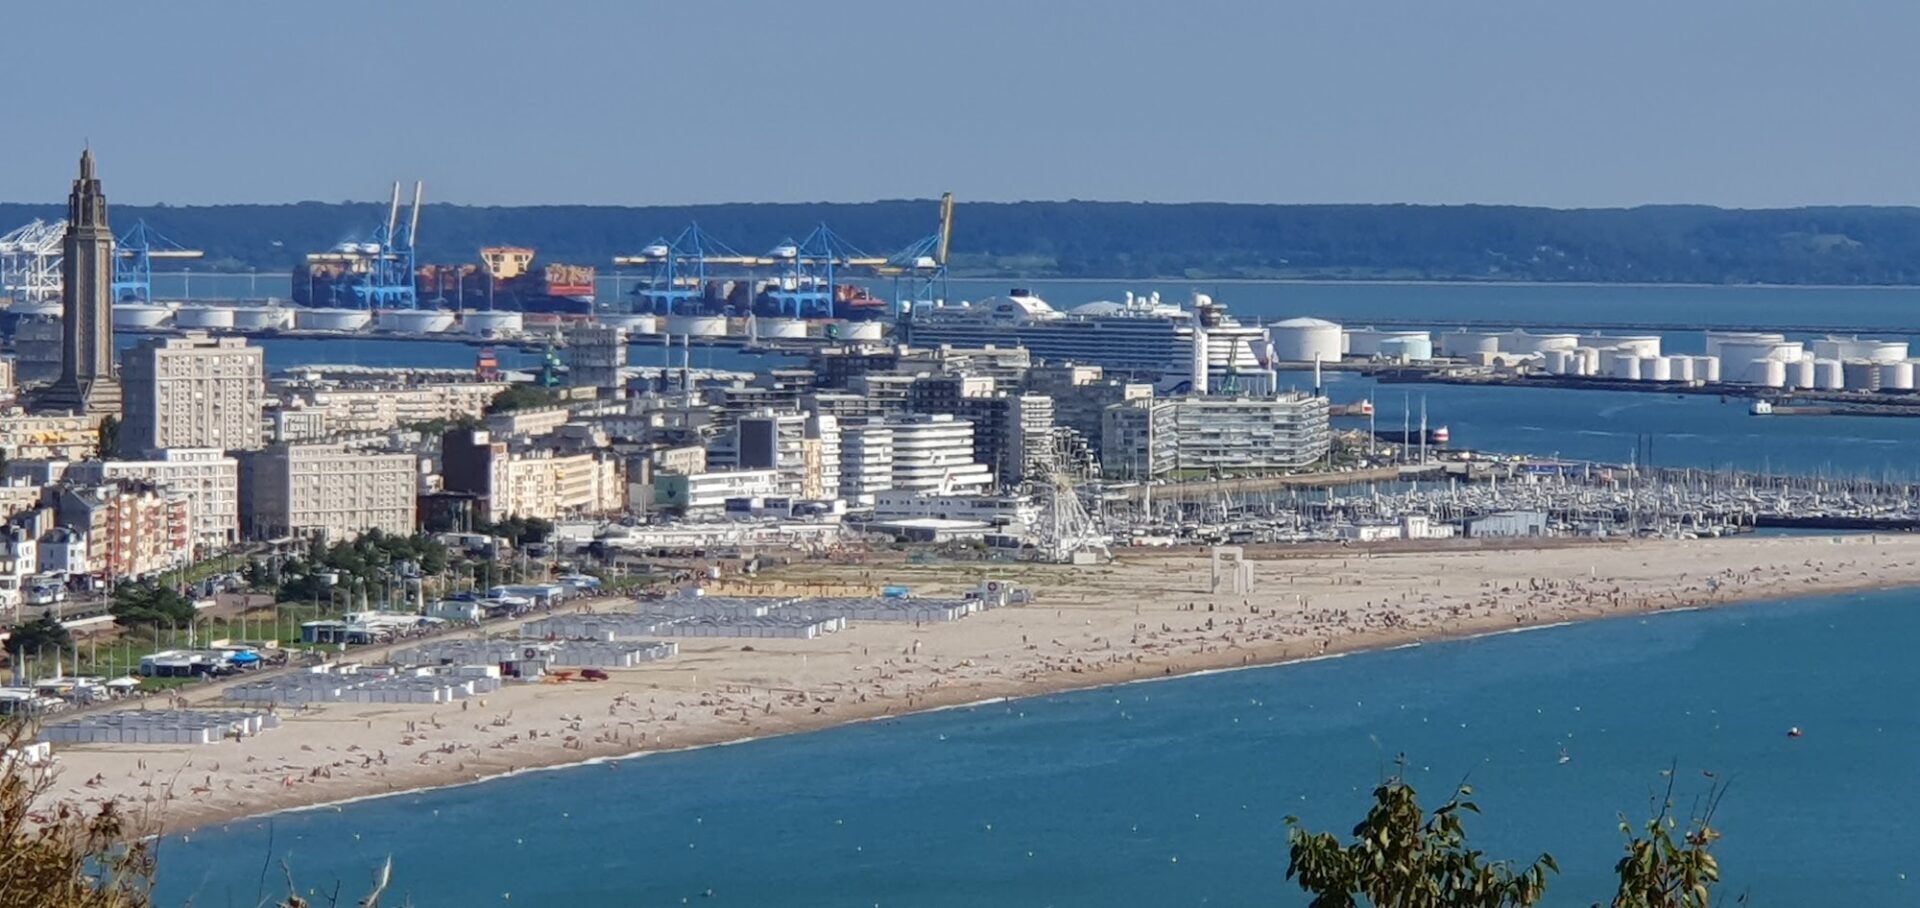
[(381, 270), (919, 271), (30, 258), (133, 255), (677, 268)]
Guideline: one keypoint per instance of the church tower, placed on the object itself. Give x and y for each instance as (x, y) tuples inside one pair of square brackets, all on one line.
[(86, 384)]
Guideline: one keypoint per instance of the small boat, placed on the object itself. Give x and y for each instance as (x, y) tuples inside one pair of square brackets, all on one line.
[(1760, 408), (1564, 758), (1794, 732)]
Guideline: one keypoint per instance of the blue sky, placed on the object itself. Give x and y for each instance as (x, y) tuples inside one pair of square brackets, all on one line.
[(1743, 103)]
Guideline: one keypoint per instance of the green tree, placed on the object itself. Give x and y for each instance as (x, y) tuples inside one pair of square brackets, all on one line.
[(1672, 866), (109, 440), (147, 604), (1404, 858), (520, 397), (39, 635)]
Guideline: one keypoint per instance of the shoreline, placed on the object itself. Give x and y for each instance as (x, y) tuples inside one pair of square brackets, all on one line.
[(1208, 653)]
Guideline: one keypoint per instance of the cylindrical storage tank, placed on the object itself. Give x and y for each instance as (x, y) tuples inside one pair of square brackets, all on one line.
[(1657, 368), (331, 319), (1737, 359), (1587, 361), (1525, 343), (1771, 372), (1682, 368), (697, 325), (633, 322), (1828, 376), (261, 318), (492, 323), (1409, 348), (1468, 344), (863, 331), (203, 317), (1845, 348), (1623, 366), (1706, 368), (1636, 344), (1558, 362), (1716, 338), (137, 316), (785, 328), (1801, 372), (413, 321), (1860, 375), (1896, 376), (1305, 340)]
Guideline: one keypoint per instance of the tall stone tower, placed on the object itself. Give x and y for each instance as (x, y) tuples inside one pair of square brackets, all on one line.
[(86, 384)]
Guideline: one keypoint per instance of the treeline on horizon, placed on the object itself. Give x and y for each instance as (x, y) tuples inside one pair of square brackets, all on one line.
[(1654, 244)]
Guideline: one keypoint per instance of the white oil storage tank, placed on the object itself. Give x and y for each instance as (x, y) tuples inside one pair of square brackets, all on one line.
[(1772, 373), (634, 322), (139, 316), (1409, 349), (1305, 340), (1860, 375), (1845, 348), (1716, 338), (1469, 344), (1625, 366), (1637, 344), (697, 325), (1367, 342), (214, 318), (1740, 359), (1586, 361), (779, 328), (1706, 368), (413, 321), (331, 319), (261, 318), (1800, 373), (1828, 376), (1559, 362), (1657, 368), (1896, 376), (492, 323), (1525, 343), (1682, 368)]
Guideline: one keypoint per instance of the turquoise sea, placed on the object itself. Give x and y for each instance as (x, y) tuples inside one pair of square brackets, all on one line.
[(1174, 792)]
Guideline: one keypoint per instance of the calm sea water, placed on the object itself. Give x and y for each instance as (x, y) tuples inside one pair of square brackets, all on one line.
[(1173, 793)]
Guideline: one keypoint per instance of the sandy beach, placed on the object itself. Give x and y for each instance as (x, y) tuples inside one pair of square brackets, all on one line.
[(1148, 615)]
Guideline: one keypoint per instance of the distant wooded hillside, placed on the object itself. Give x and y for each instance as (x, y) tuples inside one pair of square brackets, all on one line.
[(1693, 244)]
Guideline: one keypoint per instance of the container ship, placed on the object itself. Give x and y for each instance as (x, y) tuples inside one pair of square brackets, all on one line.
[(506, 278)]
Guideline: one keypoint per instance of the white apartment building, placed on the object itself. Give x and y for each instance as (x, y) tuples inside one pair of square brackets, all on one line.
[(551, 486), (327, 489), (192, 392), (1283, 432), (707, 493), (866, 460), (207, 477), (934, 453)]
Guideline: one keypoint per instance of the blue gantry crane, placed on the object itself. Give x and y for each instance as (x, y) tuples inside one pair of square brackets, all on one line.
[(133, 255)]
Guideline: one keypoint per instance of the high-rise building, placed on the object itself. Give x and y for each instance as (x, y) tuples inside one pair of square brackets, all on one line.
[(933, 453), (1250, 434), (328, 490), (86, 383), (866, 460), (207, 477), (596, 358), (192, 392)]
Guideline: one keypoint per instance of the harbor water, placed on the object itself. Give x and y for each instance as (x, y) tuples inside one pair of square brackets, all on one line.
[(1174, 792)]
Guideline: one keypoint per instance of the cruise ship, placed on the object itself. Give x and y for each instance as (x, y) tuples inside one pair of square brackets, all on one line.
[(1139, 336)]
